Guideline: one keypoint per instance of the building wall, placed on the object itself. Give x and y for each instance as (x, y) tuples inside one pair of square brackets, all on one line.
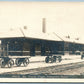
[(34, 47)]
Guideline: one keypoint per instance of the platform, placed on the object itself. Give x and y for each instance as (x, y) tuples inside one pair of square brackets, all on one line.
[(38, 62)]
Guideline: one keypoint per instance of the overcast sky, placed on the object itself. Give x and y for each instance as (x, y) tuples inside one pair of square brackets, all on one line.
[(61, 17)]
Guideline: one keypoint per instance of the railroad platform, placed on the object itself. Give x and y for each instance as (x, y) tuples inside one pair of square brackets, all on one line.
[(39, 62)]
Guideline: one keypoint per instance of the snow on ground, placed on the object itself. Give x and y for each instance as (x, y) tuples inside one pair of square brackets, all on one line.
[(38, 62)]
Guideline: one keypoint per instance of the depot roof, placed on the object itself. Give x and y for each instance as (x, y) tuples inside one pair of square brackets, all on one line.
[(18, 33)]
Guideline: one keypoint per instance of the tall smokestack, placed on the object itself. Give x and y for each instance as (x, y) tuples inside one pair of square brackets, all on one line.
[(44, 25)]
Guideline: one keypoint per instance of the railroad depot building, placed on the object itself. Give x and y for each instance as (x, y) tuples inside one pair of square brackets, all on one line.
[(21, 42)]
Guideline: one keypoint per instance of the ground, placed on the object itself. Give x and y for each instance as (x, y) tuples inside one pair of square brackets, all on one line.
[(70, 65)]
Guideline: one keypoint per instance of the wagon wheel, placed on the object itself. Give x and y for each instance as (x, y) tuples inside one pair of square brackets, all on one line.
[(47, 59), (10, 63), (82, 56), (26, 62), (18, 63), (59, 59), (54, 58), (2, 63)]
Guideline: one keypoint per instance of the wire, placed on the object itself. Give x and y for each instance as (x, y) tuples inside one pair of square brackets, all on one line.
[(58, 36)]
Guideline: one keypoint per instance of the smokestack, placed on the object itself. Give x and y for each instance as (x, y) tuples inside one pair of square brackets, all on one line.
[(44, 26)]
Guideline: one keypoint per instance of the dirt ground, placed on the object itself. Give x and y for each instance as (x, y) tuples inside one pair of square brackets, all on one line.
[(70, 65)]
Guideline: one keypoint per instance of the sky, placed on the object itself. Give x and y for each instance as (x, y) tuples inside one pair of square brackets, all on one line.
[(65, 18)]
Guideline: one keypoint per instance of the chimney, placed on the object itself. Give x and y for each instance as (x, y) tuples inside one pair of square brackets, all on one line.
[(44, 25)]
